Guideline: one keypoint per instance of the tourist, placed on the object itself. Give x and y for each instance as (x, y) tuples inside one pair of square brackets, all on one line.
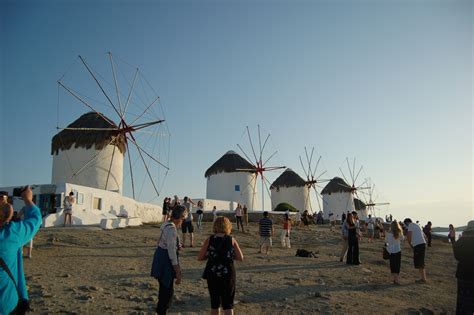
[(417, 241), (246, 215), (353, 240), (68, 203), (187, 226), (265, 229), (285, 233), (200, 214), (214, 214), (6, 209), (166, 209), (427, 231), (452, 234), (319, 219), (298, 219), (345, 237), (343, 217), (332, 221), (464, 254), (175, 202), (393, 239), (14, 295), (165, 267), (238, 217), (220, 250), (370, 229), (305, 219)]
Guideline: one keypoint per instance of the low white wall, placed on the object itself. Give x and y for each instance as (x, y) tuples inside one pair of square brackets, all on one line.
[(113, 205)]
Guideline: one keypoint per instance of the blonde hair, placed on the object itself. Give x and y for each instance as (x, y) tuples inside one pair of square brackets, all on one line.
[(222, 225), (396, 229)]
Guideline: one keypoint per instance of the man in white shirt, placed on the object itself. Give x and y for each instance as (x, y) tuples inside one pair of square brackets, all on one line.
[(370, 229), (417, 241)]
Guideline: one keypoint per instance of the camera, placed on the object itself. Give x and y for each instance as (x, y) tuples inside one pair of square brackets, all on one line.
[(19, 190)]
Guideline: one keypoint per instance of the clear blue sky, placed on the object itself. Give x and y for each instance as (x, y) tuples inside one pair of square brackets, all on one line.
[(387, 82)]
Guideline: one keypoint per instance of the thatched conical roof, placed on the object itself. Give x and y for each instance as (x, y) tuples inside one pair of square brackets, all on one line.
[(359, 204), (288, 179), (87, 138), (229, 163), (335, 185)]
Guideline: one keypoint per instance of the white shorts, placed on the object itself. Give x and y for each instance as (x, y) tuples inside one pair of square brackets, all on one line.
[(266, 240)]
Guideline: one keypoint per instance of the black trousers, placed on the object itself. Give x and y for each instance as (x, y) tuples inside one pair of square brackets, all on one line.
[(395, 262), (353, 250), (165, 295)]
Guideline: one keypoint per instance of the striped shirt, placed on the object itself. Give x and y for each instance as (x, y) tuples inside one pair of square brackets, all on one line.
[(266, 225)]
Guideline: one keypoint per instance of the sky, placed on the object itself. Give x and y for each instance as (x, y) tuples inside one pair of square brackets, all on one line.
[(389, 83)]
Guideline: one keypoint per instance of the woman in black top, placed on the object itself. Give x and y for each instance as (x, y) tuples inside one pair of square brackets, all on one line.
[(353, 241), (220, 250)]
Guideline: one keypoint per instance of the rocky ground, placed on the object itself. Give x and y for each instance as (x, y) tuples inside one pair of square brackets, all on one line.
[(93, 271)]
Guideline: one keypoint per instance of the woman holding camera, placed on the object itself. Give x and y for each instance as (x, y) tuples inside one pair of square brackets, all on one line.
[(13, 292)]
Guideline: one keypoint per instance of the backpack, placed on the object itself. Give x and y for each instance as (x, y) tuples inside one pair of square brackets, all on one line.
[(305, 253), (220, 259)]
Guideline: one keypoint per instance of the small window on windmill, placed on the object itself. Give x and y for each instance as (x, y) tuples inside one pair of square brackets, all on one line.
[(97, 203), (80, 198), (237, 188)]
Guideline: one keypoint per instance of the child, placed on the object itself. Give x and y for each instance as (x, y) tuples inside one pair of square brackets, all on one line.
[(285, 233)]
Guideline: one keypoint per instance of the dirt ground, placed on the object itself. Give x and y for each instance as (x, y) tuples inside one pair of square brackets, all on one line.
[(93, 271)]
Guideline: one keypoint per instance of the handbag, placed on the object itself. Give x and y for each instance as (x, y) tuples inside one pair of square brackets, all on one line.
[(385, 253), (23, 305)]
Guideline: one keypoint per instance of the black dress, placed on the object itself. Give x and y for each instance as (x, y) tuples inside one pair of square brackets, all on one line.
[(220, 272), (353, 250)]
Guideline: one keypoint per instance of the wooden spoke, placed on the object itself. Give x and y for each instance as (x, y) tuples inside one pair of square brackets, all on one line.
[(110, 167), (131, 138), (251, 144), (131, 170), (304, 170), (246, 156), (270, 158), (130, 92), (116, 85), (100, 86)]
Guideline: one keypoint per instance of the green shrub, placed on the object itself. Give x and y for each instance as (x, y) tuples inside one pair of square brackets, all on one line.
[(285, 206)]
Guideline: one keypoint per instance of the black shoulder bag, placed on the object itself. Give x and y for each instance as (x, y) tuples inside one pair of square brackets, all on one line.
[(23, 305)]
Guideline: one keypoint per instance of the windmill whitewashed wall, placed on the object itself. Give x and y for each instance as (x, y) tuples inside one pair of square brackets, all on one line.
[(337, 198), (290, 188), (84, 157), (226, 182)]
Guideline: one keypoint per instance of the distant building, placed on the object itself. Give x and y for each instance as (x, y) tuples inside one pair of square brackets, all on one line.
[(232, 178), (290, 188)]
